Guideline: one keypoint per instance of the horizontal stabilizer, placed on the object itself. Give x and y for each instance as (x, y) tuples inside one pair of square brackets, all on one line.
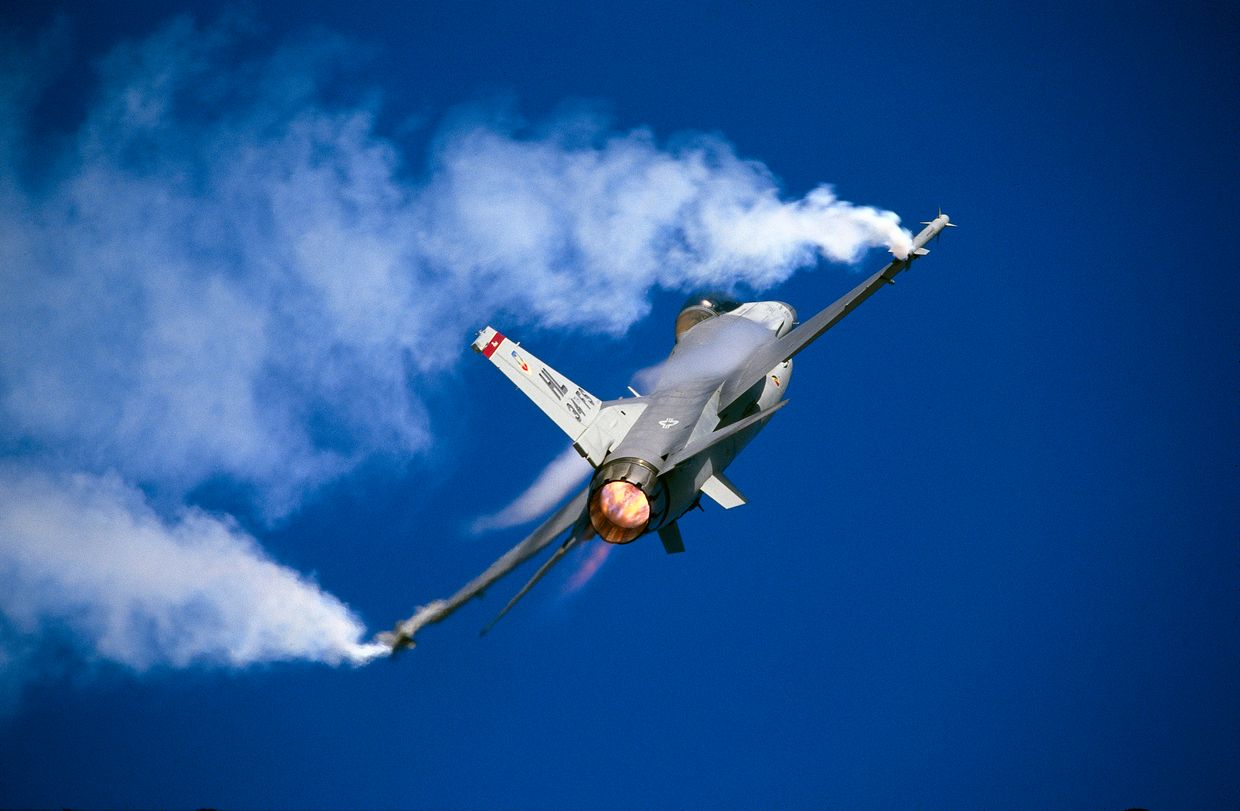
[(712, 439), (723, 492)]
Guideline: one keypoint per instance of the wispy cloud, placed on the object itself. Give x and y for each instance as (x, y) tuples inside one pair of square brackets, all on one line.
[(223, 274)]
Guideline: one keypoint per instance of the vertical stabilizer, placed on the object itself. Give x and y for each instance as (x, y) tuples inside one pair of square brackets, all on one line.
[(567, 404)]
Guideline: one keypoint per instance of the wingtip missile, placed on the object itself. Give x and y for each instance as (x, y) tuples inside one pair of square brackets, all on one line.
[(931, 231), (396, 640), (947, 223)]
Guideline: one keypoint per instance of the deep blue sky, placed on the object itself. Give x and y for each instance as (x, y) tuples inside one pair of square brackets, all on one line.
[(991, 557)]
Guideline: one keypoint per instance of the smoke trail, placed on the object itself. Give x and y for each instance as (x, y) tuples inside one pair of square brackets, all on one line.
[(558, 479), (89, 554), (581, 224), (221, 275)]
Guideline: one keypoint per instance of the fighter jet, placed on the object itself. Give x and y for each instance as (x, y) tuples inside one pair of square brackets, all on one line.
[(655, 455)]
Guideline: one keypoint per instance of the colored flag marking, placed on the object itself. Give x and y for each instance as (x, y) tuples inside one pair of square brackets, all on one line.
[(492, 345)]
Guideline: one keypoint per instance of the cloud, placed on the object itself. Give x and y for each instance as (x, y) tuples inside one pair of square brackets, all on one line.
[(224, 272)]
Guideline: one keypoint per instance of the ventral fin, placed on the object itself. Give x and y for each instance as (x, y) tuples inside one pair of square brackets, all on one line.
[(670, 536)]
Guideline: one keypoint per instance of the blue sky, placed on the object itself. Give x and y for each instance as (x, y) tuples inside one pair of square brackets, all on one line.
[(991, 551)]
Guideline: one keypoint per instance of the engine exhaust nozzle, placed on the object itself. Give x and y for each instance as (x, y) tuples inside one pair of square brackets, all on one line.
[(620, 506)]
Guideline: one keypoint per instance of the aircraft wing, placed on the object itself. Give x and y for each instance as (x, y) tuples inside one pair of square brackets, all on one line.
[(781, 350), (564, 519), (776, 353)]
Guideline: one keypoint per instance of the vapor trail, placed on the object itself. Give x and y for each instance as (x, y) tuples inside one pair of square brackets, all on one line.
[(557, 480)]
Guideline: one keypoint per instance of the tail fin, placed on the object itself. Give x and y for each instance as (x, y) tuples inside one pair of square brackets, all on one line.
[(568, 405)]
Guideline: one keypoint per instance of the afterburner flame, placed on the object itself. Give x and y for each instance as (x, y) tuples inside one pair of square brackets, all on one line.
[(624, 504), (589, 567), (619, 511)]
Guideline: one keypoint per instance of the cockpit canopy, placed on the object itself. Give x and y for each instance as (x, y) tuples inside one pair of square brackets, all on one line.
[(701, 306)]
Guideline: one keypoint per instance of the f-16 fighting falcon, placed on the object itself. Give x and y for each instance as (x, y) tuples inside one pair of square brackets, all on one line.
[(654, 456)]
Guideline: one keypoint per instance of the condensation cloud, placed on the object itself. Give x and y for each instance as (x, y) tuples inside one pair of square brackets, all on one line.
[(564, 473)]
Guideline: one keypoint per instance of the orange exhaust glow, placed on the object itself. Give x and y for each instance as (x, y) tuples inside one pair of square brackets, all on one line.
[(589, 567), (619, 511), (624, 504)]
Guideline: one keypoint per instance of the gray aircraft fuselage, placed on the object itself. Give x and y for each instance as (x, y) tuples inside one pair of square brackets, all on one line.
[(683, 409)]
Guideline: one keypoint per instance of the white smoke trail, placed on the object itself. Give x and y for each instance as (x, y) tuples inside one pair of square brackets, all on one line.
[(580, 224), (89, 554), (560, 477), (190, 297), (219, 275)]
